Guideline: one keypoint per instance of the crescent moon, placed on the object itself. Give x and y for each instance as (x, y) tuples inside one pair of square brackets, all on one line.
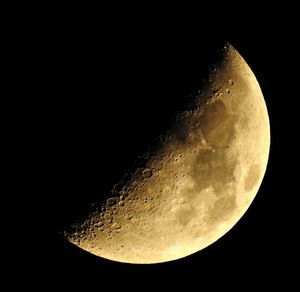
[(195, 184)]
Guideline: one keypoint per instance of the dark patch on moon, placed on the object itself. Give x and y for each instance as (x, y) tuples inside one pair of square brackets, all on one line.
[(217, 124), (212, 167), (222, 209), (214, 113), (214, 170), (252, 177), (185, 214)]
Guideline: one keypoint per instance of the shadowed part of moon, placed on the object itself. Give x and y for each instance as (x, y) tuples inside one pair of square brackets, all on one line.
[(252, 177)]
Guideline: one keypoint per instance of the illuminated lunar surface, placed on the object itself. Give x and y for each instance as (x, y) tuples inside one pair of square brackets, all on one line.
[(197, 182)]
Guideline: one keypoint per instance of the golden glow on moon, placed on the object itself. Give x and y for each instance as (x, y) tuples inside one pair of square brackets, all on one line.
[(198, 182)]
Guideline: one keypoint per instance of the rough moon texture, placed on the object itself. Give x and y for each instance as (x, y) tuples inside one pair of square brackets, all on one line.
[(196, 184)]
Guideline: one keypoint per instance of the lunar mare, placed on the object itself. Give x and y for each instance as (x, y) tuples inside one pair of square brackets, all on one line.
[(197, 182)]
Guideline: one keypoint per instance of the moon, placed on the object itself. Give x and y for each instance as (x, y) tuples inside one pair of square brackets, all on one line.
[(195, 184)]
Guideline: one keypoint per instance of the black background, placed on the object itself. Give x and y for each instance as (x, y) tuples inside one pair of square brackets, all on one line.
[(103, 92)]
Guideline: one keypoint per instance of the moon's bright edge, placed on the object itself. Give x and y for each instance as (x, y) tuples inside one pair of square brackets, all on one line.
[(196, 184)]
